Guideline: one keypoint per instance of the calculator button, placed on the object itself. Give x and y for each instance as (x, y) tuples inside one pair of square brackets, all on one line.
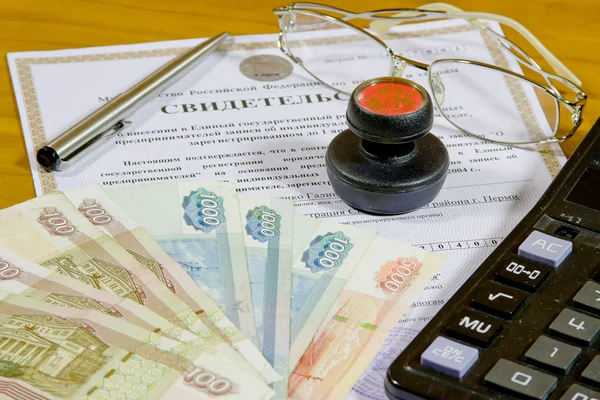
[(567, 232), (578, 392), (522, 274), (588, 297), (518, 379), (546, 249), (592, 371), (500, 300), (576, 326), (552, 354), (474, 327), (449, 357)]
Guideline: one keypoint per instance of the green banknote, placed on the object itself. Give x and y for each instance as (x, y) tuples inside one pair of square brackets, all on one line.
[(319, 273), (67, 353), (102, 211), (268, 225), (199, 225)]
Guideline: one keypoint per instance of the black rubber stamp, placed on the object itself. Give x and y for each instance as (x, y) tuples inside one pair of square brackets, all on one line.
[(387, 162)]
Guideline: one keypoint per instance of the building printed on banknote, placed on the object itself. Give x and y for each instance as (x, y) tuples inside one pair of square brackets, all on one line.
[(99, 274), (80, 302), (153, 266), (48, 352)]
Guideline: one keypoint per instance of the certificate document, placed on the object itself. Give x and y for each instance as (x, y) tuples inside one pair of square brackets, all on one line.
[(249, 116)]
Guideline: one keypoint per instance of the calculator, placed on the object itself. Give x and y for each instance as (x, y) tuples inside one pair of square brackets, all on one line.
[(526, 324)]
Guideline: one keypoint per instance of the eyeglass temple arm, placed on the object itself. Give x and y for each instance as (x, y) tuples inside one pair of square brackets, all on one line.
[(455, 12), (407, 14), (524, 58)]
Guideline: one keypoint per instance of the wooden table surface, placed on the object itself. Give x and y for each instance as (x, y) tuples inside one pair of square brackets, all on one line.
[(570, 30)]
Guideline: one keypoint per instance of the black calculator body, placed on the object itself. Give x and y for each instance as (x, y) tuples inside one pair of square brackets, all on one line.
[(526, 324)]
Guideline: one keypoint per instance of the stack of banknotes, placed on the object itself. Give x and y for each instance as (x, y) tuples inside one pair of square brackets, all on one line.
[(186, 290)]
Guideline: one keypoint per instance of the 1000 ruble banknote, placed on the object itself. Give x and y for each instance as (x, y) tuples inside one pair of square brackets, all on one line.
[(199, 225), (319, 273), (268, 228)]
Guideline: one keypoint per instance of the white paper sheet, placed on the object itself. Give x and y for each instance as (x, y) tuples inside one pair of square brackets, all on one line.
[(217, 125)]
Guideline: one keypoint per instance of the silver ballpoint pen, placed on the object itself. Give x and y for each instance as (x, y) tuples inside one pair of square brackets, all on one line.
[(112, 117)]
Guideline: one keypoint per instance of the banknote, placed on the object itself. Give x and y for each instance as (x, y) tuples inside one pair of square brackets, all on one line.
[(319, 273), (371, 385), (199, 225), (21, 276), (102, 211), (49, 230), (304, 227), (68, 353), (389, 278), (268, 225)]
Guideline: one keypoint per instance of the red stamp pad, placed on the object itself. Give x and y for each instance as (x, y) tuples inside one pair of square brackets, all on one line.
[(390, 98)]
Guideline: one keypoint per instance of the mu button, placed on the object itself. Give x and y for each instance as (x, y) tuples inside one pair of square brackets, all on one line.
[(474, 327)]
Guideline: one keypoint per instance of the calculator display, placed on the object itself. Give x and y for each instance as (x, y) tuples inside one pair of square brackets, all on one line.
[(587, 190)]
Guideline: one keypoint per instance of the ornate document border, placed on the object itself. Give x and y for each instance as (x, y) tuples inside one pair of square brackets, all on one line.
[(38, 136)]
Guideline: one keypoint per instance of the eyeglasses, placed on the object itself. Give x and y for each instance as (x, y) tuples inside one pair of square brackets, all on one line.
[(465, 91)]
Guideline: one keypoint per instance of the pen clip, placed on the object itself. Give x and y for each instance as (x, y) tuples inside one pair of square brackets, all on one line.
[(113, 130), (116, 128)]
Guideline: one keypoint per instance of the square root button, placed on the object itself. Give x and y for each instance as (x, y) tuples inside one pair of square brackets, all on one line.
[(449, 357), (545, 249)]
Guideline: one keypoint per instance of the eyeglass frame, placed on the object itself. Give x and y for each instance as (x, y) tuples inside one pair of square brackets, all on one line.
[(399, 63)]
